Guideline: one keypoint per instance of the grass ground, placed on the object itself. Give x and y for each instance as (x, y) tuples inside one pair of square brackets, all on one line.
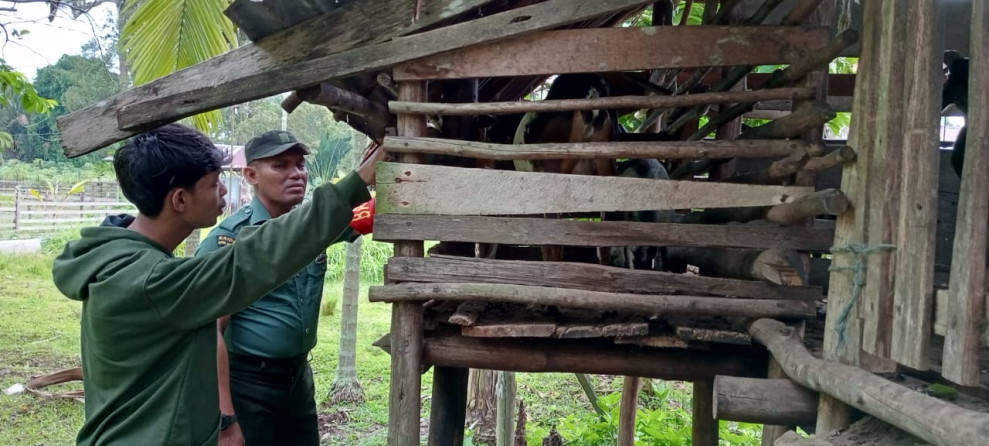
[(39, 334)]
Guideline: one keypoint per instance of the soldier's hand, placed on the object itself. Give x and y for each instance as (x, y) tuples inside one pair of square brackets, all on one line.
[(367, 168)]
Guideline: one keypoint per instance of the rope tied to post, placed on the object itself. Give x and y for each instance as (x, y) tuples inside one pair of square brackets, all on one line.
[(860, 251)]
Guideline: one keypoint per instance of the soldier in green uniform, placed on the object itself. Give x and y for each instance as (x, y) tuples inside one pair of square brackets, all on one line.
[(148, 319), (267, 394)]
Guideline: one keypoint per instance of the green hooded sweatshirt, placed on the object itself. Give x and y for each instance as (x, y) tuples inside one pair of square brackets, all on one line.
[(149, 319)]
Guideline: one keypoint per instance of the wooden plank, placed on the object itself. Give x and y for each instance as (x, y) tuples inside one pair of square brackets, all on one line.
[(842, 332), (713, 335), (620, 102), (541, 231), (575, 331), (596, 150), (405, 385), (927, 417), (665, 305), (968, 267), (883, 185), (916, 239), (621, 49), (440, 190), (583, 276), (510, 330), (658, 342), (448, 409), (277, 65)]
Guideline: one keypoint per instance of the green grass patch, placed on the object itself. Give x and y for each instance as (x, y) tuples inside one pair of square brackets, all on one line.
[(40, 334)]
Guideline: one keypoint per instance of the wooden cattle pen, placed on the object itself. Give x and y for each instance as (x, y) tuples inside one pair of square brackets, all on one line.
[(794, 281)]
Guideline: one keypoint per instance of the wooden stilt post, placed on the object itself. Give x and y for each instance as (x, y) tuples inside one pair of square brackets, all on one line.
[(842, 336), (406, 322), (966, 295), (627, 410), (449, 406), (705, 427), (913, 301), (505, 424)]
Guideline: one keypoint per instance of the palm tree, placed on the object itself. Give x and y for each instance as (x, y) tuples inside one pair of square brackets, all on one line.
[(160, 37)]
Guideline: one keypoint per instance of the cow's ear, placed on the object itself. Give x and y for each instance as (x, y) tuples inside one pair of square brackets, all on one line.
[(950, 56)]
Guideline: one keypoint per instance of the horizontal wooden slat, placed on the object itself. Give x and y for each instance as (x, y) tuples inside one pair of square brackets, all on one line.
[(659, 305), (541, 231), (621, 49), (93, 212), (441, 190), (619, 102), (74, 205), (582, 276), (592, 150)]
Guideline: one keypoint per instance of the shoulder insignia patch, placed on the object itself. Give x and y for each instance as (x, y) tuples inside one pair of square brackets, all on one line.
[(224, 240), (321, 258)]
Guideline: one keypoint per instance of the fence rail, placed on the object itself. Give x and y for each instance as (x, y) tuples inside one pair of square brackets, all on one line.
[(33, 215)]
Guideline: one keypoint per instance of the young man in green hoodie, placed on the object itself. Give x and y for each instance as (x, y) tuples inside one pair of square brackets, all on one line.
[(149, 319)]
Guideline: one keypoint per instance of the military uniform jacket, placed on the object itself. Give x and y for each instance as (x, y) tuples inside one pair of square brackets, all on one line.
[(283, 323)]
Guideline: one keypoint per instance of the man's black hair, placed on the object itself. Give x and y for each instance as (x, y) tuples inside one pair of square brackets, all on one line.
[(153, 163)]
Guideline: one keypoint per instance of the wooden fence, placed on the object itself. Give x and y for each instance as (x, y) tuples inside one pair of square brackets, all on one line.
[(28, 214)]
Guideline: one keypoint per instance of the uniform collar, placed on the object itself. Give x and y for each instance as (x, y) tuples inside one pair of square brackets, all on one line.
[(258, 212)]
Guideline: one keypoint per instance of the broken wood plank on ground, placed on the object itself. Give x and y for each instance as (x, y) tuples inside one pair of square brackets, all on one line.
[(583, 276), (276, 65)]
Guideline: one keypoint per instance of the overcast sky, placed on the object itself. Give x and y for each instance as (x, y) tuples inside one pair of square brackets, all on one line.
[(46, 42)]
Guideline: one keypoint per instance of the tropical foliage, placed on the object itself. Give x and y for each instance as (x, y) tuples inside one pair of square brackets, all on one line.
[(161, 37)]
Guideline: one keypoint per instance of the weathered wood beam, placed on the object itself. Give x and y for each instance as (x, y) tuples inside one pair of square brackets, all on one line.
[(598, 150), (621, 49), (541, 231), (704, 426), (764, 401), (968, 266), (883, 183), (840, 157), (583, 276), (843, 327), (824, 202), (913, 299), (439, 190), (277, 65), (570, 356), (405, 384), (594, 300), (928, 418), (619, 102)]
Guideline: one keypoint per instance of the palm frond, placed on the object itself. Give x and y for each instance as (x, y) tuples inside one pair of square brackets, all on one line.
[(161, 37)]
